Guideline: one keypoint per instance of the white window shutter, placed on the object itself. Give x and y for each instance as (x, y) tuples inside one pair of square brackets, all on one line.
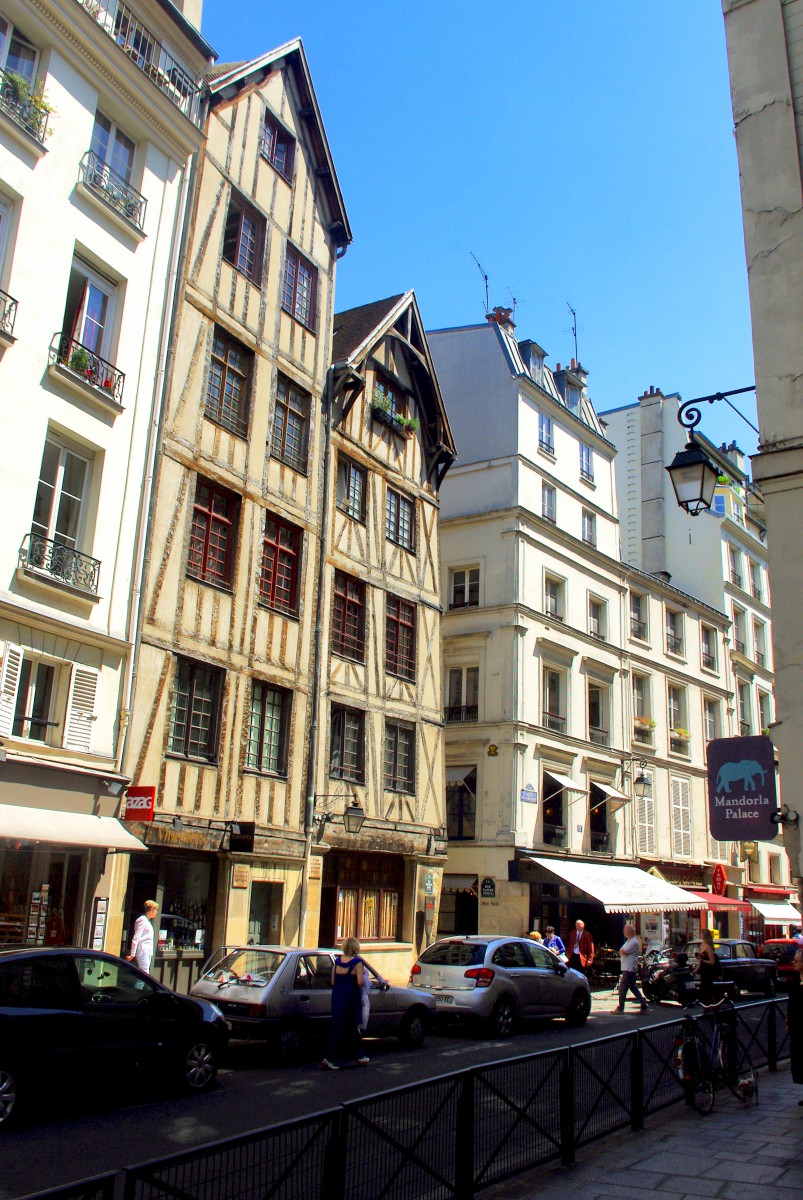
[(80, 717), (9, 686)]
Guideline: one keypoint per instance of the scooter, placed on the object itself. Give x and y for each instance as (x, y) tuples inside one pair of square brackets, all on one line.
[(669, 978)]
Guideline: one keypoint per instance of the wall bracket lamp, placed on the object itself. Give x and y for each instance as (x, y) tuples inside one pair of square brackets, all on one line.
[(694, 476), (784, 816)]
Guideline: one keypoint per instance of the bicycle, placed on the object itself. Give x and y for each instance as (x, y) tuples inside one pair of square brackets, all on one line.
[(706, 1065)]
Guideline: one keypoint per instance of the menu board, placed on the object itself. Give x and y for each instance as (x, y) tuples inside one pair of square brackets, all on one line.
[(100, 910), (37, 916)]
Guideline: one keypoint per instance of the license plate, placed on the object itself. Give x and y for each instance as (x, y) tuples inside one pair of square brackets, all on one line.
[(443, 999)]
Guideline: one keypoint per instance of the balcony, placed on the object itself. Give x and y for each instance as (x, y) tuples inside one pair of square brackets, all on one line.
[(709, 660), (96, 175), (146, 51), (555, 723), (63, 564), (736, 579), (674, 644), (461, 714), (597, 735), (600, 842), (587, 474), (757, 593), (547, 445), (744, 728), (638, 629), (26, 108), (8, 315), (554, 835), (88, 369), (761, 658), (738, 646)]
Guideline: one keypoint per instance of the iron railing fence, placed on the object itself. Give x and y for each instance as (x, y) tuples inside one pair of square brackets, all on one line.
[(25, 104), (448, 1137), (62, 563), (115, 190), (8, 313), (88, 366)]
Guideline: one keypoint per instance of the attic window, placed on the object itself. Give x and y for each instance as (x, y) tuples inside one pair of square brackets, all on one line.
[(278, 147)]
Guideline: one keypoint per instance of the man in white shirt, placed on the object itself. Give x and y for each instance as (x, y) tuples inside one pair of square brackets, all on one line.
[(628, 956)]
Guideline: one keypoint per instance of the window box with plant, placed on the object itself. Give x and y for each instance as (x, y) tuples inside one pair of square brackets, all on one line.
[(26, 104), (682, 735), (644, 723), (384, 410), (88, 368)]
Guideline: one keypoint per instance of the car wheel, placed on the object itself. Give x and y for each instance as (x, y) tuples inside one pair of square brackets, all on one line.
[(198, 1067), (503, 1018), (288, 1044), (578, 1010), (413, 1029), (9, 1096)]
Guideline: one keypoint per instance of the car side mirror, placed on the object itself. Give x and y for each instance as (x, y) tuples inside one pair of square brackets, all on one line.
[(384, 986), (561, 968)]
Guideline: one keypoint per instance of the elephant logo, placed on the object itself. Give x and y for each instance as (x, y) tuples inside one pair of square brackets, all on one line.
[(747, 770)]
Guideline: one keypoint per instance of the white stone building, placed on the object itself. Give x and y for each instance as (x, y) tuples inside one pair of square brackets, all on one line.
[(98, 122)]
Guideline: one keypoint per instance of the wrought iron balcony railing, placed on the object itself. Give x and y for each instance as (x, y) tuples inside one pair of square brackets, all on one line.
[(674, 644), (99, 176), (744, 728), (597, 735), (89, 367), (736, 578), (600, 842), (709, 660), (554, 722), (63, 563), (25, 106), (144, 49), (638, 629), (761, 658), (757, 593), (461, 714), (738, 645), (554, 835), (8, 312)]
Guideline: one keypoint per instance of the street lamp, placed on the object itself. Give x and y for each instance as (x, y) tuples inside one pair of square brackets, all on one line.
[(353, 818), (642, 784), (693, 474)]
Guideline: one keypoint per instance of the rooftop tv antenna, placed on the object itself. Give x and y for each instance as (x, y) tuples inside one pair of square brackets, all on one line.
[(485, 277), (574, 329), (515, 303)]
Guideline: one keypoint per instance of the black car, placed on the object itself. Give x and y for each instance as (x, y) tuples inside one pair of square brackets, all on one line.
[(73, 1013), (742, 969)]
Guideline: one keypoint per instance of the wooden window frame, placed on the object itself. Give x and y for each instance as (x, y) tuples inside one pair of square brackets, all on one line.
[(396, 506), (245, 257), (400, 638), (347, 471), (233, 385), (182, 746), (278, 147), (211, 526), (296, 268), (291, 411), (255, 757), (345, 720), (348, 617), (281, 557), (393, 779)]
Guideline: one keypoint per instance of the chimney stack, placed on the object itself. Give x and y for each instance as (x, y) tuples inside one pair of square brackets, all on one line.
[(501, 316)]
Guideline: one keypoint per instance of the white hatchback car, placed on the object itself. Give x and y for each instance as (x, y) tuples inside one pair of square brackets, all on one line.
[(499, 979)]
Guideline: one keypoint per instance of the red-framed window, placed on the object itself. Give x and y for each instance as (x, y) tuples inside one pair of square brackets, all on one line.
[(400, 637), (229, 383), (244, 238), (290, 432), (281, 554), (214, 528), (278, 147), (299, 287), (348, 617)]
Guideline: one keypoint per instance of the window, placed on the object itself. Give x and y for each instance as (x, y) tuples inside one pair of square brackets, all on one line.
[(194, 716), (347, 744), (743, 704), (545, 434), (719, 505), (244, 238), (33, 704), (678, 733), (681, 818), (113, 162), (400, 519), (463, 694), (348, 617), (281, 553), (708, 641), (214, 529), (596, 618), (589, 527), (228, 388), (573, 400), (638, 616), (674, 631), (88, 316), (389, 397), (465, 587), (290, 424), (553, 716), (760, 643), (399, 757), (368, 888), (597, 714), (775, 868), (645, 821), (17, 54), (59, 508), (400, 637), (278, 146), (299, 287), (33, 710), (643, 723), (735, 565), (268, 721), (461, 804), (548, 502), (710, 719), (554, 594), (352, 488), (756, 586), (739, 630), (586, 462)]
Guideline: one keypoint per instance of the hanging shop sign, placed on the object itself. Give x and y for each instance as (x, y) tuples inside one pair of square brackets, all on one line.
[(139, 804), (742, 799), (720, 880)]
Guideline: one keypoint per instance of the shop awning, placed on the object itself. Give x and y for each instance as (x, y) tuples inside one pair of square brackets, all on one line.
[(459, 883), (615, 799), (65, 828), (621, 889), (458, 774), (776, 913), (720, 903), (565, 782)]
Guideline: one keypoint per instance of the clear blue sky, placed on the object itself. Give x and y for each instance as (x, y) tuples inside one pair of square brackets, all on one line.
[(583, 151)]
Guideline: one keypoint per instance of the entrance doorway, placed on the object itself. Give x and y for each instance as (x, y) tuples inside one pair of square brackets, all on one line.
[(265, 914)]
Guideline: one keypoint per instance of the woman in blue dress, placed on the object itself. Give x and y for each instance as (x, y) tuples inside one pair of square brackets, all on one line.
[(347, 983)]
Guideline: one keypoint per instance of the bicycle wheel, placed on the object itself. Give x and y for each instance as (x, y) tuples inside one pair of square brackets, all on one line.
[(703, 1095)]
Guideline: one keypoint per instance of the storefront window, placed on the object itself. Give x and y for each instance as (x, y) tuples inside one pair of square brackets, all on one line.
[(39, 891), (182, 920), (366, 892)]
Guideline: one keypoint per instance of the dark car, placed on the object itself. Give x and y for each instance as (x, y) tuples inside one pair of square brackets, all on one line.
[(742, 969), (72, 1013), (781, 951)]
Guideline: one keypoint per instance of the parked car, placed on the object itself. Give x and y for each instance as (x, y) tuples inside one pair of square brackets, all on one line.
[(498, 979), (781, 951), (283, 994), (742, 969), (68, 1013)]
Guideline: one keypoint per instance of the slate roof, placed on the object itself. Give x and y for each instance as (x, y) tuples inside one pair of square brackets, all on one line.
[(353, 325)]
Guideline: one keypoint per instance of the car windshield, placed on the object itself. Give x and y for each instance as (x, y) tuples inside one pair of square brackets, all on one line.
[(693, 949), (454, 954), (246, 966)]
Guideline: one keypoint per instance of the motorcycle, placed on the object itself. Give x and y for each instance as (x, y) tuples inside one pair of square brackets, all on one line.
[(668, 977)]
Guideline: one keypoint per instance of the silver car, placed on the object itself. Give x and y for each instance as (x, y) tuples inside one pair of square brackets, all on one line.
[(283, 995), (499, 979)]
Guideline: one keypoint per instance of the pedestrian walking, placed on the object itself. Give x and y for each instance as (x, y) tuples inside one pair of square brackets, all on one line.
[(581, 948), (554, 943), (628, 957), (142, 940), (794, 1019), (348, 979)]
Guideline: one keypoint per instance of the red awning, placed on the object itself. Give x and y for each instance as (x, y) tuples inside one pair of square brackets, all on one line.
[(720, 903), (768, 889)]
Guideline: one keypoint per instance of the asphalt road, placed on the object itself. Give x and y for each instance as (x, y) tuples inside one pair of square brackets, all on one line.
[(104, 1124)]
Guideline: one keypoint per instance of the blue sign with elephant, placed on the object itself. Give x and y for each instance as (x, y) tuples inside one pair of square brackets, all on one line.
[(742, 799)]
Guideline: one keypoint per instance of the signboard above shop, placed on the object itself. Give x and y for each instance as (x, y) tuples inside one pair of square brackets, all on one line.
[(742, 799), (139, 804)]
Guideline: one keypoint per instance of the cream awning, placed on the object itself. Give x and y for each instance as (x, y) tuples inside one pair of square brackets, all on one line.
[(458, 774), (622, 889), (459, 883), (565, 782), (65, 828), (777, 913)]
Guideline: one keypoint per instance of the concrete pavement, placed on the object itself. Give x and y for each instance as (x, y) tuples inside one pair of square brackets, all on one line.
[(735, 1153)]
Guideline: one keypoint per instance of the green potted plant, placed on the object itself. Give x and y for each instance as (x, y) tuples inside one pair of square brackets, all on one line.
[(79, 360), (644, 722), (681, 734), (408, 425)]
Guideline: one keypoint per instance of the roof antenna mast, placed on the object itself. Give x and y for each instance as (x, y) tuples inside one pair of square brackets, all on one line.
[(485, 277), (574, 329)]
